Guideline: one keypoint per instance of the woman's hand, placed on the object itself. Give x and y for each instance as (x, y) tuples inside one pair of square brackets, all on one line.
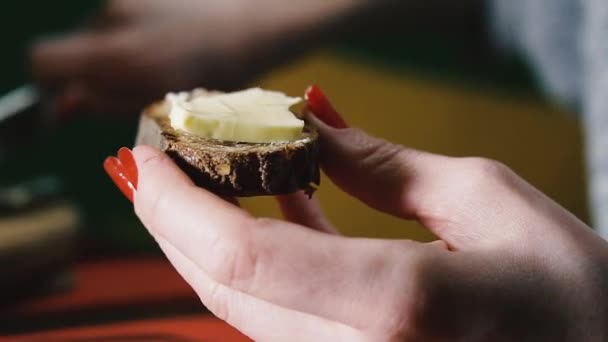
[(135, 51), (510, 264)]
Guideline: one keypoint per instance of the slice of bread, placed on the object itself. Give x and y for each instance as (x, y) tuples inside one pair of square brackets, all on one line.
[(234, 169)]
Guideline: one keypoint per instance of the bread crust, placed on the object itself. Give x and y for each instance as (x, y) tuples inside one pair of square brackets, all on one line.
[(234, 169)]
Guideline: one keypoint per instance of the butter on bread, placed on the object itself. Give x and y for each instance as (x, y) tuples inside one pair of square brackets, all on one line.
[(232, 168)]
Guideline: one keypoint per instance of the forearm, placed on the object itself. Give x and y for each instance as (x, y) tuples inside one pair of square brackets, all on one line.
[(315, 19), (320, 21), (279, 30)]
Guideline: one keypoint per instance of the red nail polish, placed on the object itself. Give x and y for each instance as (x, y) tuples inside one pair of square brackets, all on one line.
[(67, 104), (319, 104), (117, 173), (126, 158)]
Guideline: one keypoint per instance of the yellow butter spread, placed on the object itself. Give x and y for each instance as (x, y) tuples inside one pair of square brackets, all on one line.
[(252, 116)]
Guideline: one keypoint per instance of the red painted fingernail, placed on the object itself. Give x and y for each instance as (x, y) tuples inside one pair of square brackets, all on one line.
[(117, 173), (319, 104), (68, 103), (126, 158)]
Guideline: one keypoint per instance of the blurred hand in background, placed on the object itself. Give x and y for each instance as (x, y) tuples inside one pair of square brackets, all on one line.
[(134, 51)]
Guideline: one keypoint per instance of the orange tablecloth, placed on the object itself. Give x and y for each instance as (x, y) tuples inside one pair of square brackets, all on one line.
[(199, 329), (107, 291), (115, 284)]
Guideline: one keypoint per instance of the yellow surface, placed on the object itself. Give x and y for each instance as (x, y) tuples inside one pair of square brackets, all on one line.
[(540, 143)]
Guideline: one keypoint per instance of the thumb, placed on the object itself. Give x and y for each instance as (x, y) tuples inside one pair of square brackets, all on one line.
[(373, 170), (379, 173), (463, 201)]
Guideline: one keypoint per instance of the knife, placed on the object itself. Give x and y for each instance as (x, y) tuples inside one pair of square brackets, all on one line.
[(18, 101), (25, 114)]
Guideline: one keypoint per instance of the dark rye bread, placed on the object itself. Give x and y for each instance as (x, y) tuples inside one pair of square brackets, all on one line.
[(234, 169)]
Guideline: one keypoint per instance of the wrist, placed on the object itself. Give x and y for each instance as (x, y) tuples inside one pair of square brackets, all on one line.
[(270, 32), (282, 24), (308, 16)]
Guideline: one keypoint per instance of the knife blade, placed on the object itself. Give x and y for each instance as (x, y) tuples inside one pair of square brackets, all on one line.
[(24, 116), (18, 101)]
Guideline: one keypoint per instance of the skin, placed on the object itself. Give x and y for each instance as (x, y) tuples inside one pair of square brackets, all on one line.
[(510, 264), (135, 51)]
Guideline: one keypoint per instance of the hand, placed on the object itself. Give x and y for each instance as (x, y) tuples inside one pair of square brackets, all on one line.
[(135, 51), (510, 263)]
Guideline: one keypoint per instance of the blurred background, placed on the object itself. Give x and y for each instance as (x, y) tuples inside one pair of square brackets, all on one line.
[(72, 251)]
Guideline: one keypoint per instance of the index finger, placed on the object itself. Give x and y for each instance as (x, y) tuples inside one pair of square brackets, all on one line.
[(159, 206), (266, 258), (57, 60), (463, 201)]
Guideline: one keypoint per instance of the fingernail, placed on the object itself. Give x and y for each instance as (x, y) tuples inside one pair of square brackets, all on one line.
[(117, 173), (126, 158), (320, 106), (66, 105), (68, 102)]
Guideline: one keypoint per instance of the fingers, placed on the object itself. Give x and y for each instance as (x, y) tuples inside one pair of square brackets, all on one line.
[(467, 202), (300, 209), (123, 9), (258, 319), (265, 258), (85, 52), (169, 203), (70, 57), (99, 60), (232, 200), (377, 172), (106, 72), (79, 97), (440, 192)]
